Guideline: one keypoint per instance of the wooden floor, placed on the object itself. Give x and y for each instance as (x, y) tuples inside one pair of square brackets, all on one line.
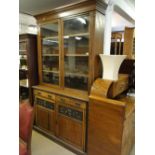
[(44, 146)]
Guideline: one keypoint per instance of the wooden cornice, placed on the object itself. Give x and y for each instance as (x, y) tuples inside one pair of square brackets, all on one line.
[(82, 6)]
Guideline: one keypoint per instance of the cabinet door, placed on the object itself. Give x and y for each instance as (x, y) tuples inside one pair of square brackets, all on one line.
[(76, 52), (42, 119), (45, 115), (70, 126), (51, 121), (50, 53)]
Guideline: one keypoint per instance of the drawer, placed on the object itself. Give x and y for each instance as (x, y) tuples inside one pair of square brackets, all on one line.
[(44, 103), (72, 102), (44, 94)]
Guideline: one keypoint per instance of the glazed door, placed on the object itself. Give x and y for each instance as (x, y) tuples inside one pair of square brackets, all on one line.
[(50, 53), (76, 52)]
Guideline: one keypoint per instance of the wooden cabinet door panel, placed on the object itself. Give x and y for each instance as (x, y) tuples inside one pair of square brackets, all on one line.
[(42, 118), (70, 130), (52, 121)]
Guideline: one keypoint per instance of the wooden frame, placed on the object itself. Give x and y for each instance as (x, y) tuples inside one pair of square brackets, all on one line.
[(95, 31), (95, 9), (31, 52)]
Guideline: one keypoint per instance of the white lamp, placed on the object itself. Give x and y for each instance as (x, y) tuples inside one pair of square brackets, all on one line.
[(111, 65)]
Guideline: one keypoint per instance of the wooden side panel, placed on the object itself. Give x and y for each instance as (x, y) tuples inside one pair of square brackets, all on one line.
[(128, 42), (70, 131), (128, 134), (52, 122), (105, 128), (97, 46)]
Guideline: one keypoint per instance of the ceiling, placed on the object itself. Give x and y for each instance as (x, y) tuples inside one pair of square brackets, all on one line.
[(34, 7)]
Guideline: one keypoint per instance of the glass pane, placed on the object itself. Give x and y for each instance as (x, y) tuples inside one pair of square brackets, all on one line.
[(76, 25), (51, 63), (76, 45), (76, 72), (50, 53), (51, 78), (76, 50)]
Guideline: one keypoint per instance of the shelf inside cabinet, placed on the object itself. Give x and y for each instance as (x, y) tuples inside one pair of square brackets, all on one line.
[(77, 55), (50, 55), (50, 71), (49, 38), (23, 57), (23, 69), (76, 74), (24, 83), (22, 51), (75, 35)]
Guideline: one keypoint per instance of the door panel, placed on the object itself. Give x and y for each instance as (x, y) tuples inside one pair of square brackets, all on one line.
[(42, 118), (70, 130)]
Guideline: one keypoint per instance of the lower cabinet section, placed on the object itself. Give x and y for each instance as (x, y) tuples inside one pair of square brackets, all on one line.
[(62, 117), (71, 121), (45, 115)]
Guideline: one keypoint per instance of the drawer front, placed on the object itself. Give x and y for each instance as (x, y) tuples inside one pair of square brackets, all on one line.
[(70, 112), (44, 94), (44, 103), (72, 102)]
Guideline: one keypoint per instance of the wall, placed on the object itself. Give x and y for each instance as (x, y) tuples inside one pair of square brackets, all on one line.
[(27, 24)]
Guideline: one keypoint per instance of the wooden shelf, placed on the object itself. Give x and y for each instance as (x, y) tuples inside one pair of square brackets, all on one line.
[(77, 74), (50, 55), (76, 35), (23, 69), (22, 50), (48, 38), (24, 83), (23, 57), (50, 71), (77, 55)]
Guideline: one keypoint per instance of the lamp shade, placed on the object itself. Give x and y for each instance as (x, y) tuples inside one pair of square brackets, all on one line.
[(111, 65)]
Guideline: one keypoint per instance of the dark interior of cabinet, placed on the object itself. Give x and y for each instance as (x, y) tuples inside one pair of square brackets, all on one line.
[(24, 93)]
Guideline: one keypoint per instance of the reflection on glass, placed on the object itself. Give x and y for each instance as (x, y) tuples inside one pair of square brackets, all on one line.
[(51, 78), (76, 45), (76, 65), (77, 25), (51, 63), (76, 82), (76, 50), (50, 53)]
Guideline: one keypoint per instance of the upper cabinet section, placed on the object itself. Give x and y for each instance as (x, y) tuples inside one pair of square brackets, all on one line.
[(70, 39)]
